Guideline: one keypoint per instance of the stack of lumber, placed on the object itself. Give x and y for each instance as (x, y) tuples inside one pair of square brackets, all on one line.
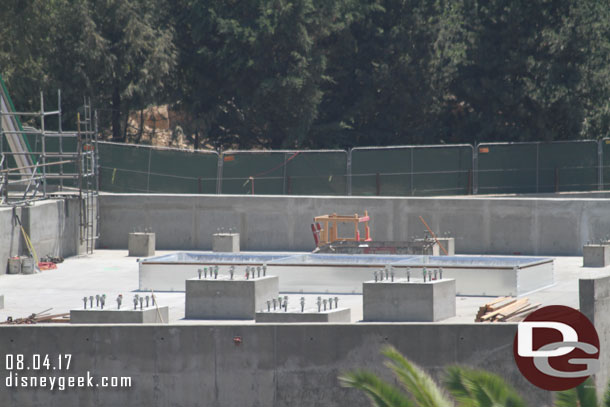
[(505, 309), (41, 317)]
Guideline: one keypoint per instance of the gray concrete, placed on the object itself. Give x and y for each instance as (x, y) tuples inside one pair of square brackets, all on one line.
[(448, 244), (294, 365), (228, 299), (10, 237), (408, 301), (1, 301), (226, 242), (595, 304), (480, 225), (141, 244), (596, 255), (53, 227), (151, 315), (335, 315)]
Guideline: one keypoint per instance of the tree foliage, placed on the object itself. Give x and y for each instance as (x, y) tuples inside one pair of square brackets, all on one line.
[(322, 73)]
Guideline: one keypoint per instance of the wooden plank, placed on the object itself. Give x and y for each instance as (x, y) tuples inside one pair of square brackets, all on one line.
[(497, 300), (529, 308), (504, 309), (502, 305)]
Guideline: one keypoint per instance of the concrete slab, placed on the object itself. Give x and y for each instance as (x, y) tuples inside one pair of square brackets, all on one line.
[(408, 301), (596, 255), (335, 315), (112, 272), (151, 315), (141, 244), (224, 298)]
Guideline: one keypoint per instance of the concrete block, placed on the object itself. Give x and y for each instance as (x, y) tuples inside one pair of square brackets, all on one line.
[(141, 244), (408, 301), (149, 315), (228, 299), (596, 255), (594, 302), (449, 245), (1, 301), (226, 242), (334, 315)]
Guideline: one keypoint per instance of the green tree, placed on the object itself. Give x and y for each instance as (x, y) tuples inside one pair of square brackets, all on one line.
[(136, 56), (251, 73), (467, 387)]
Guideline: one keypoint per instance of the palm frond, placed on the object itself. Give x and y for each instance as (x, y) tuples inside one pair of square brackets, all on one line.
[(606, 402), (477, 388), (416, 382), (584, 395), (379, 392)]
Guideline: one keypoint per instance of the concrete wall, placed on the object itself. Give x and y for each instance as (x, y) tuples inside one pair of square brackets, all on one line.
[(53, 227), (275, 365), (594, 295), (492, 225), (10, 240)]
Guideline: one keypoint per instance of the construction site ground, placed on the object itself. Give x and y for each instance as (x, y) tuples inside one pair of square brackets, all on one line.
[(112, 272)]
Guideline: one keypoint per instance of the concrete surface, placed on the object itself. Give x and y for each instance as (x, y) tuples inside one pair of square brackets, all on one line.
[(596, 255), (335, 315), (595, 304), (226, 242), (402, 301), (53, 226), (448, 244), (192, 362), (1, 301), (294, 365), (228, 299), (480, 225), (141, 244), (122, 316), (112, 272)]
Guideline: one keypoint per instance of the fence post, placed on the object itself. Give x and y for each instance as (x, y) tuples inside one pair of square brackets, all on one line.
[(349, 172), (475, 169), (537, 167), (378, 184), (600, 165), (148, 175), (219, 173), (556, 179), (412, 166)]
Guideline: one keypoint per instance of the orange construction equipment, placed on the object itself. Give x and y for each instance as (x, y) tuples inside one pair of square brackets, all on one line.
[(328, 232)]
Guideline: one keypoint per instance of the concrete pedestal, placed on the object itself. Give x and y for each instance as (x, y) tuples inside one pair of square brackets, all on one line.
[(449, 245), (403, 301), (226, 242), (596, 255), (334, 315), (148, 315), (141, 244), (228, 299)]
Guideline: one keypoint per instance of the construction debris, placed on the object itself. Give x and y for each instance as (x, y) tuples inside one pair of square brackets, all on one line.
[(41, 317), (505, 309)]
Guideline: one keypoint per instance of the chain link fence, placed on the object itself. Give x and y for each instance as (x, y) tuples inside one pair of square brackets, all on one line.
[(462, 169)]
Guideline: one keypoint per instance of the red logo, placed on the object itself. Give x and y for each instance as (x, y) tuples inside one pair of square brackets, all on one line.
[(556, 348)]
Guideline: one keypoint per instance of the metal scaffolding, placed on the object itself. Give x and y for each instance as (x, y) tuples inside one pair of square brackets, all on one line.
[(63, 163)]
